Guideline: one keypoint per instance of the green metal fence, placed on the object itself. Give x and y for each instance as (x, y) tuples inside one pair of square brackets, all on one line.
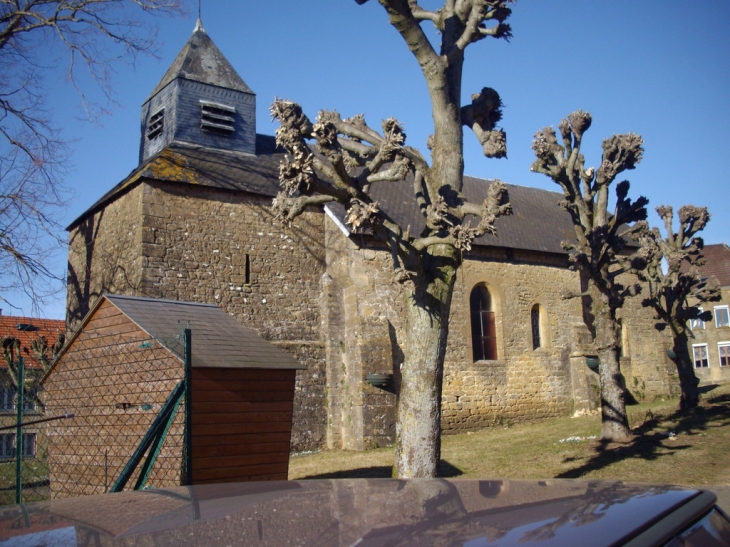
[(110, 415)]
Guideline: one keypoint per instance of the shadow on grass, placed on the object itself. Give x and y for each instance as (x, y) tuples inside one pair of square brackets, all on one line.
[(651, 441), (382, 472)]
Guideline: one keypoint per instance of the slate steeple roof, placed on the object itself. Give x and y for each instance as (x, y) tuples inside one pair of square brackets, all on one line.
[(201, 100), (201, 61)]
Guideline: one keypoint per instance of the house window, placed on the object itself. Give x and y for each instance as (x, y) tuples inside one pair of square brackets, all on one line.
[(28, 404), (29, 445), (156, 124), (483, 327), (7, 399), (723, 348), (722, 317), (699, 352), (535, 323), (7, 445), (697, 323), (8, 395), (217, 118)]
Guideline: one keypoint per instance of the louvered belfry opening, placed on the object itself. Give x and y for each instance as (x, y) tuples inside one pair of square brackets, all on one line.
[(217, 118)]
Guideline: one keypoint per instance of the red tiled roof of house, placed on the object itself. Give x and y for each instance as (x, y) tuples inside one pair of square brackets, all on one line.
[(26, 329), (717, 263)]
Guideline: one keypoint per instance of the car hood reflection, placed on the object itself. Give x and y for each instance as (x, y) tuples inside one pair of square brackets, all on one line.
[(343, 512)]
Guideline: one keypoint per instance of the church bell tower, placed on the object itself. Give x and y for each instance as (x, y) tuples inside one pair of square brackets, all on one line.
[(201, 100)]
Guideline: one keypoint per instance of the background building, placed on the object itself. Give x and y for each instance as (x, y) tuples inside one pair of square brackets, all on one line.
[(711, 340)]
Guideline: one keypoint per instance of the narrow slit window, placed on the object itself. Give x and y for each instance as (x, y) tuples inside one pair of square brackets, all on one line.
[(156, 124), (217, 118), (535, 322), (247, 270)]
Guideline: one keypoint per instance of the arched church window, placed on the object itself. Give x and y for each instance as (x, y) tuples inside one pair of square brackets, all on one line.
[(535, 324), (483, 325)]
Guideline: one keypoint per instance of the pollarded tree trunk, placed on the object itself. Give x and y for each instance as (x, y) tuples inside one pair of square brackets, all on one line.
[(688, 381), (425, 263), (418, 424), (614, 421)]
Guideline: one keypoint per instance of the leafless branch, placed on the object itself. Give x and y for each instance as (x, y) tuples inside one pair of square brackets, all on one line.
[(83, 35)]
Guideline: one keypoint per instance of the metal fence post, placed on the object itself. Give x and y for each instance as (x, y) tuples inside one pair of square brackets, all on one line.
[(188, 448), (20, 402)]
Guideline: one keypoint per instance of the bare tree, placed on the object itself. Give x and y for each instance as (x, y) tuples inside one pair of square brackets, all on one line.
[(670, 268), (36, 37), (596, 250), (352, 156), (43, 356)]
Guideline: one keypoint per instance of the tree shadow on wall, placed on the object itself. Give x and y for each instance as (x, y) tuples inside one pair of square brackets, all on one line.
[(97, 269), (445, 470), (651, 442)]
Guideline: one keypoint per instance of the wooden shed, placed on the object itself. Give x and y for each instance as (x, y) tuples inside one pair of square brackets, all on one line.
[(118, 371)]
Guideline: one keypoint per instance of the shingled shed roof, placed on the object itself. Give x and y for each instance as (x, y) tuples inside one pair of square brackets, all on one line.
[(717, 263), (201, 61), (218, 340)]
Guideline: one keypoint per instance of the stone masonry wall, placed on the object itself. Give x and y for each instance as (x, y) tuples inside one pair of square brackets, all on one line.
[(648, 371), (522, 384), (361, 320), (104, 255), (364, 308), (203, 245)]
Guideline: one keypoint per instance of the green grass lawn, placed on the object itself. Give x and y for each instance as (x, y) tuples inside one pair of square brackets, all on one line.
[(668, 447), (35, 478)]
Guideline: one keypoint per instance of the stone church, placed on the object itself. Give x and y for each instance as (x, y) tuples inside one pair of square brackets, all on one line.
[(193, 222)]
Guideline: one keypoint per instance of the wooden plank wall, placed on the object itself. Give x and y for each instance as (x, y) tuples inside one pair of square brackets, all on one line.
[(114, 379), (241, 424)]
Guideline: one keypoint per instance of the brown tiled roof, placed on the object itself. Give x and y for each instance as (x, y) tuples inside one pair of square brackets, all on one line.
[(26, 329), (200, 60), (717, 263), (218, 340)]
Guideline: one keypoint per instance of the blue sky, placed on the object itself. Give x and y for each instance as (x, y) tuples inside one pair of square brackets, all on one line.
[(661, 70)]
